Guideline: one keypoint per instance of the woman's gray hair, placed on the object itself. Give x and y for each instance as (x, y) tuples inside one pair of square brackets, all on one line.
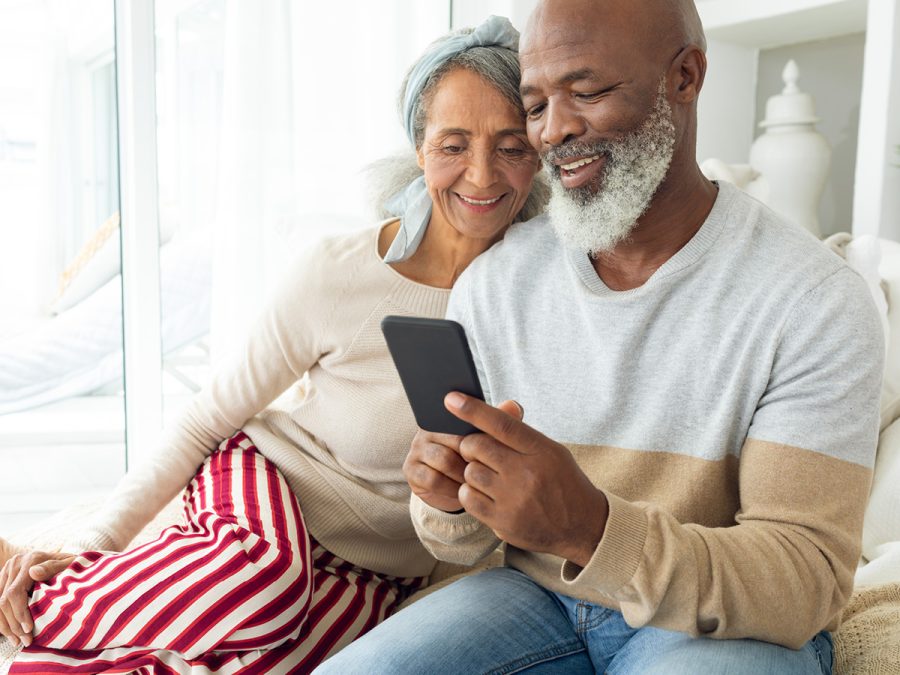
[(499, 67)]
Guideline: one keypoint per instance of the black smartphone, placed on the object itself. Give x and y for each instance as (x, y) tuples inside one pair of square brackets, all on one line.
[(433, 358)]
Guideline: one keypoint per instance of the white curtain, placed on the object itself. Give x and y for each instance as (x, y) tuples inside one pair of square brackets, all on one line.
[(308, 100), (255, 163)]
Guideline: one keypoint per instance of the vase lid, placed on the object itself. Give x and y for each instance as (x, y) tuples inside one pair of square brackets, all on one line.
[(791, 106)]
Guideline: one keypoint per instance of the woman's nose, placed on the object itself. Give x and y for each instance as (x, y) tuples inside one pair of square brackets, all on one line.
[(482, 172)]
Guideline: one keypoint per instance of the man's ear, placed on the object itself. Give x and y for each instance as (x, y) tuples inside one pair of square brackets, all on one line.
[(688, 72)]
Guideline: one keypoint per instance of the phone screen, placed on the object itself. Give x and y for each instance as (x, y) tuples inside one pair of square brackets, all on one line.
[(432, 357)]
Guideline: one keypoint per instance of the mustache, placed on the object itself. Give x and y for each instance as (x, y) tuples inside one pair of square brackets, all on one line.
[(570, 150)]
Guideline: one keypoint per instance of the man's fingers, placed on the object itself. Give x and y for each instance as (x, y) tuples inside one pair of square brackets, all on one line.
[(476, 503), (513, 408), (436, 483), (431, 486), (439, 501), (481, 477), (446, 461), (495, 422), (434, 438), (485, 449)]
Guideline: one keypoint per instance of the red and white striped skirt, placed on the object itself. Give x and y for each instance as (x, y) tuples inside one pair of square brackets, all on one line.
[(238, 587)]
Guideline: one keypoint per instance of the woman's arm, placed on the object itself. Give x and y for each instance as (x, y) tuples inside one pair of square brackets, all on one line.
[(283, 343)]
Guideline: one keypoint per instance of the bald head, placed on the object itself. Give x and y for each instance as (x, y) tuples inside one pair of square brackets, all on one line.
[(654, 25), (682, 19)]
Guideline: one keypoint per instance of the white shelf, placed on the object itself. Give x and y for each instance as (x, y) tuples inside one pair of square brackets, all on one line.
[(771, 23)]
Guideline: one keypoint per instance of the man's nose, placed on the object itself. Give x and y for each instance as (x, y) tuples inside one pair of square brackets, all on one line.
[(561, 124)]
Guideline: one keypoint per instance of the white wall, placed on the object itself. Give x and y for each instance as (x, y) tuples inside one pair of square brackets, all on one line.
[(473, 12), (831, 71), (727, 103), (877, 206)]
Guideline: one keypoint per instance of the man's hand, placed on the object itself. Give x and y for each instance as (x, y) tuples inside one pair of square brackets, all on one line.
[(17, 578), (526, 487), (434, 468)]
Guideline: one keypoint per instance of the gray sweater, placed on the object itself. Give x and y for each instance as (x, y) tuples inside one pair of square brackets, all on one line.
[(728, 408)]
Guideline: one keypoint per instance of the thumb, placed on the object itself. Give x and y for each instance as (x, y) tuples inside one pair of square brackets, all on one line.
[(49, 569), (513, 408)]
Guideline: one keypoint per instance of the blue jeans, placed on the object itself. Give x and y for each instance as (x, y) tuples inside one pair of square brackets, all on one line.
[(500, 621)]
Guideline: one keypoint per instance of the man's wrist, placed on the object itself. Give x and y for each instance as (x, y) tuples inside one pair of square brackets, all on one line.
[(590, 533)]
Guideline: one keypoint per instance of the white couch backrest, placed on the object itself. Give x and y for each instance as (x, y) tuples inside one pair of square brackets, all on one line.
[(889, 269)]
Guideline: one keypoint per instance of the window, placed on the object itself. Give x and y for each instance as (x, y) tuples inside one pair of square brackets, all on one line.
[(61, 405), (266, 114)]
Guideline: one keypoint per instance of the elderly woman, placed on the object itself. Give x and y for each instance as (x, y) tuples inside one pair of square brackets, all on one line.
[(296, 536)]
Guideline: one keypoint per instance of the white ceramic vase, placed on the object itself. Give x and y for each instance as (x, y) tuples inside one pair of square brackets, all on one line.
[(791, 158)]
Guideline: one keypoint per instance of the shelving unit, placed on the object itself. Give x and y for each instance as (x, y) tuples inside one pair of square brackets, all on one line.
[(772, 23), (738, 30)]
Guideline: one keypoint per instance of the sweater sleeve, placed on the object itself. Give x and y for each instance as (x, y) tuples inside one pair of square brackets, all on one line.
[(282, 344), (457, 538), (785, 570), (452, 537)]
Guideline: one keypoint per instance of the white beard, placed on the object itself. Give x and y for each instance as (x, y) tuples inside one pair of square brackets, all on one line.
[(598, 216)]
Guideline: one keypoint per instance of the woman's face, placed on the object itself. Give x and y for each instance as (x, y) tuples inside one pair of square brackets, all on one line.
[(475, 154)]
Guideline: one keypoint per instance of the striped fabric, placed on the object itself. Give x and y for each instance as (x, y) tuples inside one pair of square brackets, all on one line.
[(237, 587)]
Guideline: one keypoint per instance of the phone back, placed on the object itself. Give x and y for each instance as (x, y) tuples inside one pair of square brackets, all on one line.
[(433, 358)]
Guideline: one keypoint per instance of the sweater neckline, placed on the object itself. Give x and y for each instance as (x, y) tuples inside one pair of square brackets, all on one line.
[(394, 273), (686, 256)]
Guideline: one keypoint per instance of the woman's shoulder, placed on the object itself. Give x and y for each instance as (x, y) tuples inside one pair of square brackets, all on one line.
[(339, 253), (345, 244)]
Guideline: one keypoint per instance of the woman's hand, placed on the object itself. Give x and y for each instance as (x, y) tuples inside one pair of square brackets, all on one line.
[(17, 578)]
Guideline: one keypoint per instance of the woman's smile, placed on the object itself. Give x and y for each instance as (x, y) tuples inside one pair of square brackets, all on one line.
[(480, 205)]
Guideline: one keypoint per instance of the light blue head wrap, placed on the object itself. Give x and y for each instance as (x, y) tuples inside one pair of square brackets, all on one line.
[(413, 204)]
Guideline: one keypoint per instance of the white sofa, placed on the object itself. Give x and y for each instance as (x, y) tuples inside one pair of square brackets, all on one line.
[(869, 639)]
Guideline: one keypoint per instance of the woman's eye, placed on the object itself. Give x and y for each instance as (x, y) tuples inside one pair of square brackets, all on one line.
[(453, 149), (512, 152)]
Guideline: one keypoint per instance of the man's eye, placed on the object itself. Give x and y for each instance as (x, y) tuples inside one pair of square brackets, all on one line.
[(597, 94), (535, 111)]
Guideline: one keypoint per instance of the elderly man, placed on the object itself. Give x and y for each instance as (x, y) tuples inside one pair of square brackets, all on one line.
[(709, 375)]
